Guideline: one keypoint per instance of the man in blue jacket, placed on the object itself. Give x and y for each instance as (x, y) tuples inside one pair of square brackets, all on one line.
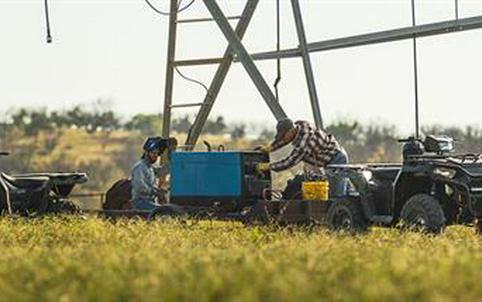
[(145, 189)]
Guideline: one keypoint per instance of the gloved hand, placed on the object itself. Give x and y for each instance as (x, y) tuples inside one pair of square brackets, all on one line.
[(162, 196), (263, 148), (262, 167)]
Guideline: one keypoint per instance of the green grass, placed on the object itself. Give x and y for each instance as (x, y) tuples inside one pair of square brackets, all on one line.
[(74, 259)]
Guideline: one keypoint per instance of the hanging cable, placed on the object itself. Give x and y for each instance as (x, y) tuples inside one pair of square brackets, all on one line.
[(47, 22), (278, 48), (415, 72), (179, 9), (191, 80)]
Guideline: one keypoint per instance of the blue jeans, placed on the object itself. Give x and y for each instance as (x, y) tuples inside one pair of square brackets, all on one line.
[(339, 184), (145, 205)]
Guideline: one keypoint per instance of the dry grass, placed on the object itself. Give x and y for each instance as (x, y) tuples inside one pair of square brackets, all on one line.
[(73, 259)]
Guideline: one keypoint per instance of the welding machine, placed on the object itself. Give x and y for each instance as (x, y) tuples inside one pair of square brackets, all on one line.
[(208, 179)]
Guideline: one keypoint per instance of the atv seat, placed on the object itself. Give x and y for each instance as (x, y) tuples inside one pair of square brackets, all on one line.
[(385, 173), (30, 183), (62, 183), (58, 178)]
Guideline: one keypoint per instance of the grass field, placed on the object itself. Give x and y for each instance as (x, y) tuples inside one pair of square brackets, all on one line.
[(74, 259)]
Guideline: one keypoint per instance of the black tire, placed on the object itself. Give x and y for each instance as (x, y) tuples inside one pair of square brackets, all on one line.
[(346, 215), (293, 188), (423, 213)]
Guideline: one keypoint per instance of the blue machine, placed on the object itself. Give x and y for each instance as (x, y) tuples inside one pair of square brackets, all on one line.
[(206, 178)]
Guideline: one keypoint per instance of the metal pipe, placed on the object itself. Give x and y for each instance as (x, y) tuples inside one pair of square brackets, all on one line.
[(456, 9), (205, 19), (415, 75), (171, 52), (305, 55), (245, 59), (186, 105), (391, 35), (419, 31), (194, 62)]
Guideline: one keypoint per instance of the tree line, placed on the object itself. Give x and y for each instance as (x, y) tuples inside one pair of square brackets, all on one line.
[(374, 142), (100, 143), (34, 121)]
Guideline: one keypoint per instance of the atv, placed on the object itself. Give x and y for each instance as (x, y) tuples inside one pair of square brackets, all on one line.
[(38, 193), (432, 188)]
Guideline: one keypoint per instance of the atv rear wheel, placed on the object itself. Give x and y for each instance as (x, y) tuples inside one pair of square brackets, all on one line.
[(346, 215), (423, 213)]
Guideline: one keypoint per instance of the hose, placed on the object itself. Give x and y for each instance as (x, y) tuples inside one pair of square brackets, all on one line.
[(160, 12)]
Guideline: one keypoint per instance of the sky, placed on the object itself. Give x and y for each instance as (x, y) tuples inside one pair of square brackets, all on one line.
[(115, 50)]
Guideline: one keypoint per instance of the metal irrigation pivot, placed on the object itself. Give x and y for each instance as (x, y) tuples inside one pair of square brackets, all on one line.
[(237, 53)]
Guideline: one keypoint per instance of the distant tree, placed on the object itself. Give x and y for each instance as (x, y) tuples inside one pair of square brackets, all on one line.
[(77, 117), (59, 119), (380, 143), (100, 120), (181, 125), (266, 135), (105, 121), (39, 121), (147, 124), (20, 118), (346, 132), (217, 126), (238, 132), (32, 122)]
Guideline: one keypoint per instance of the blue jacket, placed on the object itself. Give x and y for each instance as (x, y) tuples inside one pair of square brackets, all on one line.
[(144, 186)]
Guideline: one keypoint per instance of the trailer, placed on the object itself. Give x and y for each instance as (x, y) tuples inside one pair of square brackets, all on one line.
[(431, 189)]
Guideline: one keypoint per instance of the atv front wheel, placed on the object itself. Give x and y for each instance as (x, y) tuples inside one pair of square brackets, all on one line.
[(423, 213), (346, 215)]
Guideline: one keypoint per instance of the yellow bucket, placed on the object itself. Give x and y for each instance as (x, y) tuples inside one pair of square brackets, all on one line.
[(315, 190)]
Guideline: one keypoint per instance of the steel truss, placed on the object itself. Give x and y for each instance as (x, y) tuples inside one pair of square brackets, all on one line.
[(236, 52)]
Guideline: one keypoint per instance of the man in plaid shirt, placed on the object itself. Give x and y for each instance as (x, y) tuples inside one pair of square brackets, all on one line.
[(312, 146)]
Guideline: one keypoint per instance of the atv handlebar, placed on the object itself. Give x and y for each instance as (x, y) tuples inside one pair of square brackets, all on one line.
[(4, 153)]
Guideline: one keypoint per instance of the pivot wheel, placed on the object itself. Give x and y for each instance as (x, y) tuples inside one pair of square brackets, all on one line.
[(346, 215), (423, 213)]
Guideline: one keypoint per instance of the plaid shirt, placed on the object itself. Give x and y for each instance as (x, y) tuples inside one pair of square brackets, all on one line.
[(311, 145)]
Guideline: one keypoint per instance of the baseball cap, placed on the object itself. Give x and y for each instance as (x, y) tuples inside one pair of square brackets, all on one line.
[(282, 127)]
